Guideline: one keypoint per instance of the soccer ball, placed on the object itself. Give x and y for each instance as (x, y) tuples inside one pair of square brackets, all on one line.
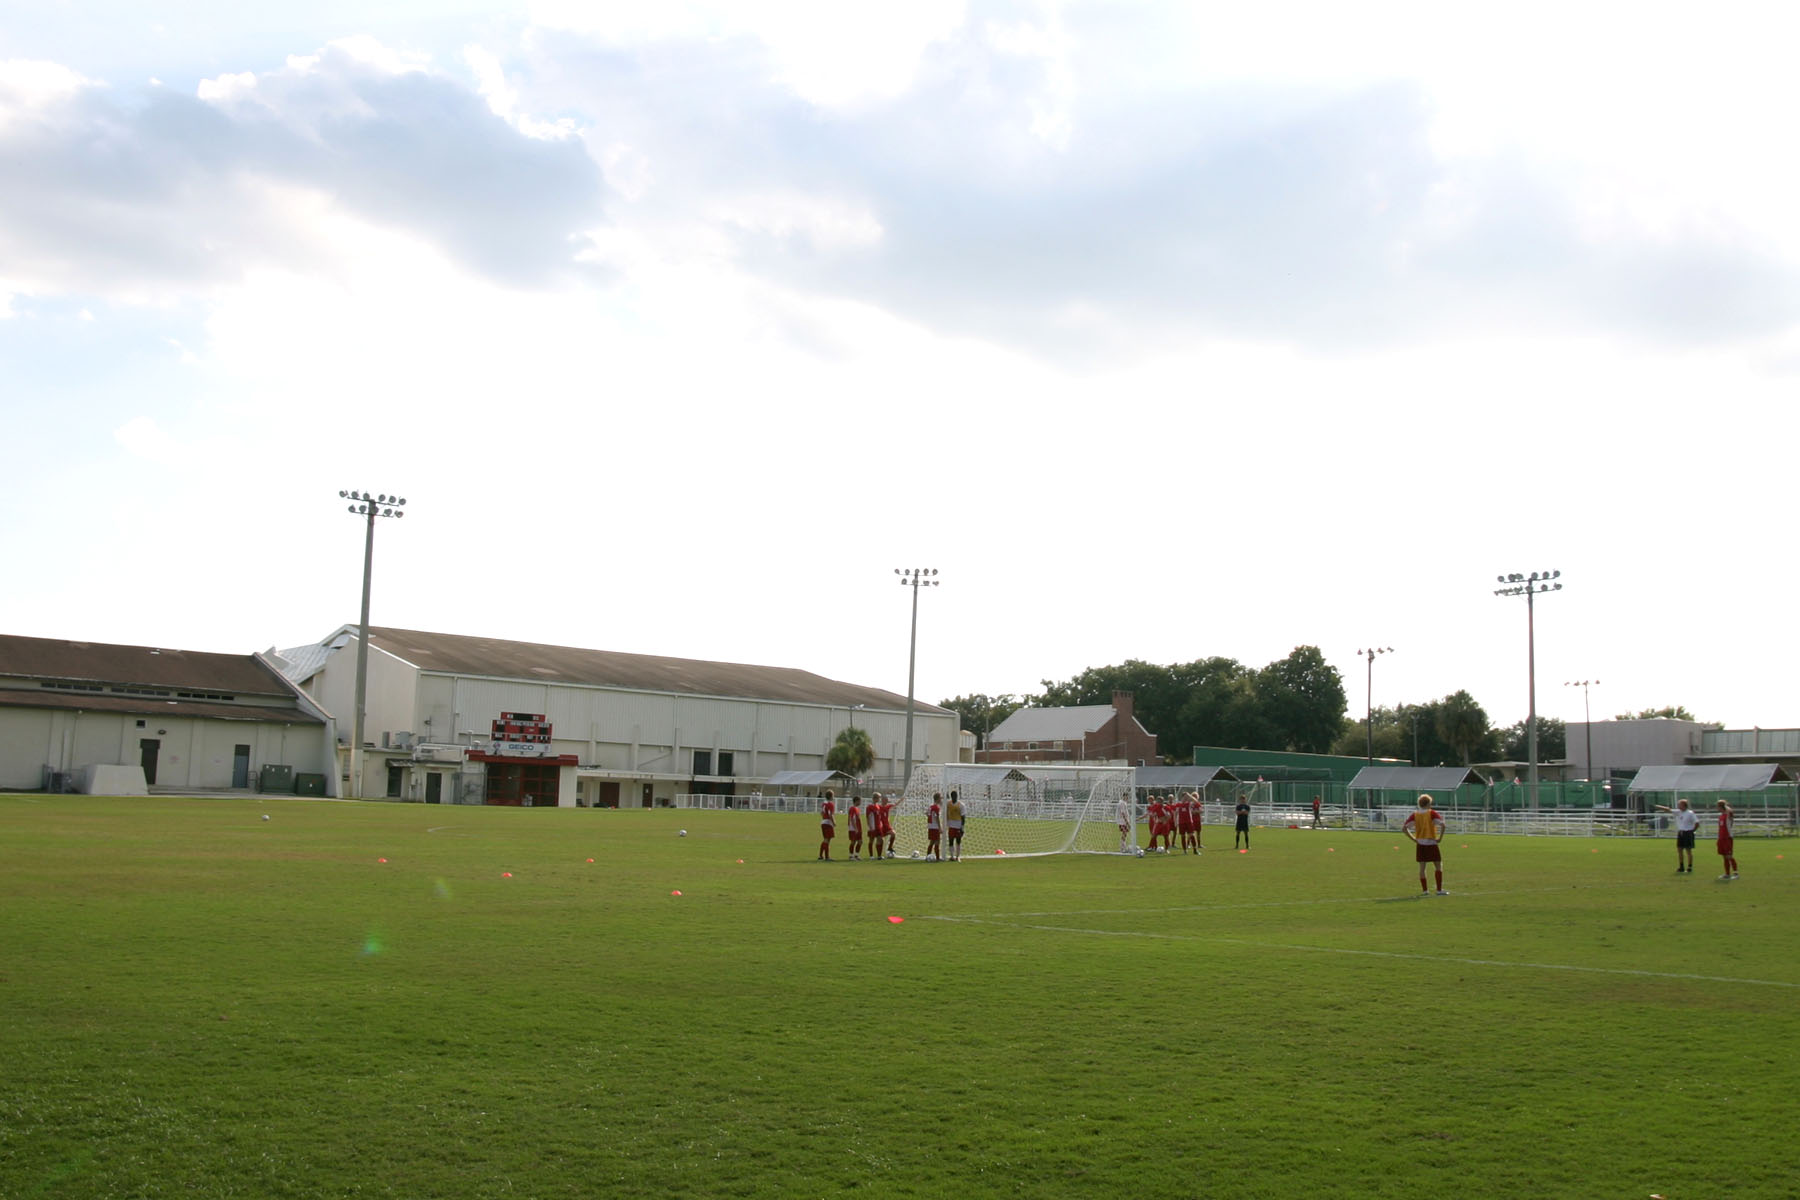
[(915, 854), (1140, 852), (683, 833), (265, 816)]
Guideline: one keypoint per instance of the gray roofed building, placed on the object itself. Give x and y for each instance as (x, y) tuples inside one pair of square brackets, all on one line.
[(104, 717), (497, 721)]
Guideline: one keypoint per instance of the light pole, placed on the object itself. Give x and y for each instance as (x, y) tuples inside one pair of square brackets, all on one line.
[(915, 578), (1529, 586), (370, 507), (1587, 722), (1369, 710)]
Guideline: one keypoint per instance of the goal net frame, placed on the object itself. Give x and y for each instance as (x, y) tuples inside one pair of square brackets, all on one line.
[(1023, 810)]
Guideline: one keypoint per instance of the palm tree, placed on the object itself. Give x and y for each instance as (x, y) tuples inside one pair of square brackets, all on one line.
[(852, 753)]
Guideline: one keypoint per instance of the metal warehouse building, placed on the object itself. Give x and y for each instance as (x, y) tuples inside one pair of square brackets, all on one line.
[(92, 717), (457, 719)]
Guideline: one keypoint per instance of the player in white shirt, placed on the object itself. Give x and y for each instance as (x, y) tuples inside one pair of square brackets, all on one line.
[(1686, 822)]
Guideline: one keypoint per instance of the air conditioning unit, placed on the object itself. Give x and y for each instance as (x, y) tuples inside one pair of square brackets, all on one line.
[(403, 739)]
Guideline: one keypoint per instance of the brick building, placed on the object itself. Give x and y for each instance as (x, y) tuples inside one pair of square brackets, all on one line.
[(1090, 733)]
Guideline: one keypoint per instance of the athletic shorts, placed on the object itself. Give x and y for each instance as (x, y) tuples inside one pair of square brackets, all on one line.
[(934, 834), (1725, 846), (1432, 853), (1684, 839), (955, 832), (827, 832), (1243, 824)]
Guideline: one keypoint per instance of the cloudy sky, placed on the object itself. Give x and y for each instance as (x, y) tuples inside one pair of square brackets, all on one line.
[(1160, 330)]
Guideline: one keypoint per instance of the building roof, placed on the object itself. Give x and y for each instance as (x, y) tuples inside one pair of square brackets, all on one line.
[(149, 706), (457, 654), (1724, 777), (1413, 779), (147, 666), (806, 778), (1157, 778), (1052, 724)]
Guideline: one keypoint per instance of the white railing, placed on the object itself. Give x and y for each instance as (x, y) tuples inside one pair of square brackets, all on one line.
[(1603, 822)]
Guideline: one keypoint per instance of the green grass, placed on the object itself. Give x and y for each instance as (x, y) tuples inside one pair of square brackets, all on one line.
[(199, 1003)]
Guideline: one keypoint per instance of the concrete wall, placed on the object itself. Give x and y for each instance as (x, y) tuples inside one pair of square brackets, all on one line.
[(1628, 745)]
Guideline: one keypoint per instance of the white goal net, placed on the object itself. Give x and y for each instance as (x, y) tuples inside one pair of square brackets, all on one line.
[(1022, 810)]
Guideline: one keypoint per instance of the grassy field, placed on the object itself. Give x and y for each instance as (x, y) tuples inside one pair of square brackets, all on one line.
[(201, 1003)]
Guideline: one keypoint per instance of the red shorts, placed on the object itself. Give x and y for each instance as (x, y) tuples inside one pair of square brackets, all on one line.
[(1725, 845), (828, 832), (956, 833), (934, 834), (1426, 854)]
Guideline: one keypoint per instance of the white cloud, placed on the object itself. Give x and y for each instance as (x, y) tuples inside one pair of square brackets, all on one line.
[(827, 52)]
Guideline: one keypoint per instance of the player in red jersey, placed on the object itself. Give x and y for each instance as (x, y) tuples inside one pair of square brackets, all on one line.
[(1425, 825), (854, 826), (887, 823), (878, 825), (934, 828), (827, 825), (1726, 845), (1187, 822), (1158, 812)]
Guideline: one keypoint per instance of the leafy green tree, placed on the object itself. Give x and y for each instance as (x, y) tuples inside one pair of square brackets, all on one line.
[(1673, 712), (1302, 698), (1462, 723), (1553, 740), (852, 753), (979, 713)]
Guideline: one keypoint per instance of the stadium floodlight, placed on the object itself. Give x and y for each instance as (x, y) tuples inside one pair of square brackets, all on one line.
[(1369, 700), (1587, 721), (915, 578), (369, 507), (1529, 586)]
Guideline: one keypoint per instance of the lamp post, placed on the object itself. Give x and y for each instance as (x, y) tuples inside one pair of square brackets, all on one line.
[(370, 507), (915, 578), (1587, 722), (1369, 710), (1529, 586)]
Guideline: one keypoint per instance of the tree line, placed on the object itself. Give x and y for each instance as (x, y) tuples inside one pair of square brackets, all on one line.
[(1296, 703)]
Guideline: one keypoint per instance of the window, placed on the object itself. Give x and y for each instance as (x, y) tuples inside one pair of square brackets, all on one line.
[(703, 762), (725, 763)]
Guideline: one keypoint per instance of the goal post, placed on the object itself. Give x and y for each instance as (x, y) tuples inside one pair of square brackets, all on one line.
[(1024, 810)]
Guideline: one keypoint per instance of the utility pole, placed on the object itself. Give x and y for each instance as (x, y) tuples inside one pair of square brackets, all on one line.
[(1369, 700), (1529, 586), (915, 578), (370, 507), (1587, 722)]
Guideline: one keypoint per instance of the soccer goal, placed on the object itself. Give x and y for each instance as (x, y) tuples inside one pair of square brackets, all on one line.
[(1023, 810)]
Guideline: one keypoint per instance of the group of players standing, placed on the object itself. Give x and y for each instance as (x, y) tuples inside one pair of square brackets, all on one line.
[(878, 817), (1168, 817)]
